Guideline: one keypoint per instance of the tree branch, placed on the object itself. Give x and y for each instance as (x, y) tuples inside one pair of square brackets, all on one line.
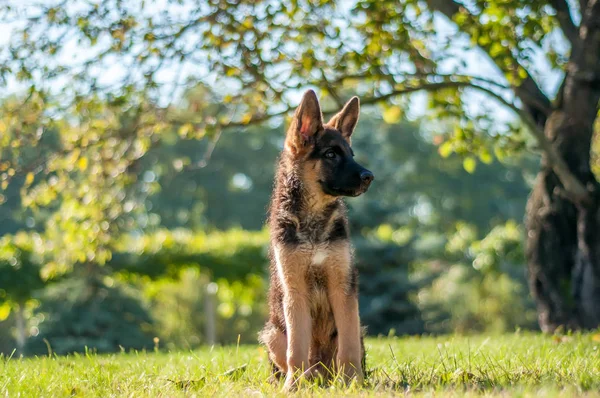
[(573, 187), (368, 101), (538, 104), (331, 90), (563, 14), (422, 87), (575, 190)]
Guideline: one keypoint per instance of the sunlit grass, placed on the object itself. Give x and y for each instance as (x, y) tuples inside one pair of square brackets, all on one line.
[(518, 364)]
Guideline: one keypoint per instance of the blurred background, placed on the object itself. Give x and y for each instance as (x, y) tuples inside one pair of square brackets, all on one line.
[(138, 141)]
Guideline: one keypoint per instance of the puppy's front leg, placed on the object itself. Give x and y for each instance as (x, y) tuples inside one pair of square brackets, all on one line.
[(298, 327), (343, 297), (296, 307)]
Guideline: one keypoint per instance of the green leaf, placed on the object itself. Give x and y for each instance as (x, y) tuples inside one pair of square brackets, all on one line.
[(82, 163), (4, 310), (185, 130), (446, 149), (469, 164), (392, 115), (500, 153), (496, 49), (485, 156), (246, 118), (459, 133), (29, 178)]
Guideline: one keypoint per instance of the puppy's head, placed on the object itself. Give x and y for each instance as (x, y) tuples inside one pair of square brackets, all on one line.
[(323, 151)]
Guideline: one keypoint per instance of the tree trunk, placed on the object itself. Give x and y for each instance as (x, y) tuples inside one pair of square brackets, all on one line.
[(563, 231), (563, 251)]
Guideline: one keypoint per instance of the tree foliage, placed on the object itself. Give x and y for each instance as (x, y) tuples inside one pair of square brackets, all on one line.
[(257, 52), (246, 58)]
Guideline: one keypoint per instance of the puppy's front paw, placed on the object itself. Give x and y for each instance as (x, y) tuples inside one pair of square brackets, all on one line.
[(291, 382), (354, 374), (351, 371), (312, 373)]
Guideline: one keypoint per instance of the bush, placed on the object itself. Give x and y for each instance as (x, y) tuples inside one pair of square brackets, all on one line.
[(89, 312), (464, 300), (484, 289), (179, 308), (385, 289), (232, 254)]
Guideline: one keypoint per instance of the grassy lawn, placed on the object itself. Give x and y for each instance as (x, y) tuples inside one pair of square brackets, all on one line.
[(515, 365)]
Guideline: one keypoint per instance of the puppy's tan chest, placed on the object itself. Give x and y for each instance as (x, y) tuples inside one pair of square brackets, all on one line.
[(319, 255), (309, 261), (325, 255)]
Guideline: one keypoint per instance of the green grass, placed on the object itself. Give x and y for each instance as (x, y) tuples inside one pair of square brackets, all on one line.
[(509, 365)]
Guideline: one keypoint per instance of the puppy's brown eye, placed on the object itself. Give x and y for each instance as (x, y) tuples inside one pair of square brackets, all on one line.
[(330, 154)]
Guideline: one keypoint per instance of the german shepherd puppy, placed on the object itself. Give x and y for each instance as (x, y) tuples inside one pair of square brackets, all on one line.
[(314, 326)]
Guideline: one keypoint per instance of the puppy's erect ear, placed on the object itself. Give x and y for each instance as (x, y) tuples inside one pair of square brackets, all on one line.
[(307, 122), (345, 121)]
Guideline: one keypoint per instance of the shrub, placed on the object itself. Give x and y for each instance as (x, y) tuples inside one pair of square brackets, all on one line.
[(179, 308), (93, 313), (482, 286)]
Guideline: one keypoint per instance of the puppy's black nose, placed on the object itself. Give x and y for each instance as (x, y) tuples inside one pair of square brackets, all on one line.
[(366, 176)]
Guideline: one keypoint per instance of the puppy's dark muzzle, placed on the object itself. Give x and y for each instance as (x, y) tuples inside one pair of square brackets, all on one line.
[(366, 177)]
